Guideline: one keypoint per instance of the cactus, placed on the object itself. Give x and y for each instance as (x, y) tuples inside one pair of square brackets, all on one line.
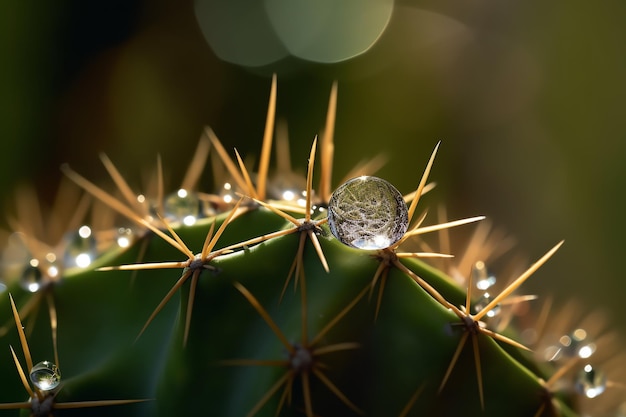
[(248, 302)]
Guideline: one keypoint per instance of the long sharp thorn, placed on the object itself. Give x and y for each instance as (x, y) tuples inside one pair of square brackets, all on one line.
[(448, 225), (427, 188), (504, 339), (479, 372), (519, 281), (99, 403), (119, 180), (540, 410), (222, 227), (139, 267), (230, 165), (116, 205), (52, 311), (381, 290), (287, 393), (181, 245), (306, 392), (426, 286), (15, 406), (20, 371), (163, 302), (192, 296), (194, 171), (304, 309), (292, 269), (309, 182), (422, 184), (318, 249), (409, 405), (268, 395), (160, 186), (259, 239), (207, 241), (468, 298), (268, 135), (281, 213), (338, 317), (20, 331), (455, 358), (264, 314), (333, 388), (328, 146), (246, 176), (335, 348), (253, 362), (377, 274)]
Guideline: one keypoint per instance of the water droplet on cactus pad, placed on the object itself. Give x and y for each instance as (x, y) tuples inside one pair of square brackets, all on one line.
[(45, 376), (32, 279), (367, 213), (125, 237), (182, 206), (81, 248), (591, 382)]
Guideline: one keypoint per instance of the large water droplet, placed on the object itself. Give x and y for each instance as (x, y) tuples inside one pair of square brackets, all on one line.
[(591, 382), (368, 213), (182, 206), (45, 376), (80, 250)]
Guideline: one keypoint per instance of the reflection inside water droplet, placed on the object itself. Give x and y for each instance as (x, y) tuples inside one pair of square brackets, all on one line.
[(45, 376), (32, 279), (367, 213), (591, 382), (80, 250), (124, 237)]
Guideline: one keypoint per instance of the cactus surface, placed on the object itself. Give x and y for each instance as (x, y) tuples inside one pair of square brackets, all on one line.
[(243, 303)]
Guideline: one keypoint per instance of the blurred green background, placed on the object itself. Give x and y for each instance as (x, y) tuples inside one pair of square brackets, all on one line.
[(528, 98)]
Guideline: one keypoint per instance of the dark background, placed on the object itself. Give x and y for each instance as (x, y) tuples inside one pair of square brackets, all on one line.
[(527, 97)]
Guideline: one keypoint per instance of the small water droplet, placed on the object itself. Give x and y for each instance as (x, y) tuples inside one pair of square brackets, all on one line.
[(481, 276), (367, 213), (45, 376), (227, 193), (182, 206), (80, 249), (591, 382), (125, 237)]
